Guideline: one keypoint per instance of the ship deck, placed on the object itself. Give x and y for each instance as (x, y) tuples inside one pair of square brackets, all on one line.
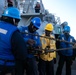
[(73, 68)]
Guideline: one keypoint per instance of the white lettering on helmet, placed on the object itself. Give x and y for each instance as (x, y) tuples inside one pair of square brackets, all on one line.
[(6, 12)]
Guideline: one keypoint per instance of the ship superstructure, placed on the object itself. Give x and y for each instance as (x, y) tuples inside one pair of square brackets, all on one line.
[(27, 10)]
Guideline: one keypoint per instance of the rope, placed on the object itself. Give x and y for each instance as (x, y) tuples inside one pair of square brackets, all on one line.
[(43, 51), (48, 38)]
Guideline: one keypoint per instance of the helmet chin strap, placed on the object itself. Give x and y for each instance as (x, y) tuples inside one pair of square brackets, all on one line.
[(14, 22)]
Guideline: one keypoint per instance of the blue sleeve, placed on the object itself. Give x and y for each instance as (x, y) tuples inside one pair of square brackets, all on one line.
[(37, 38)]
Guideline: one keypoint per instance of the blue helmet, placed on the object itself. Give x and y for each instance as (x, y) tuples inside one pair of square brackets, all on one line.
[(12, 12), (66, 29), (36, 22)]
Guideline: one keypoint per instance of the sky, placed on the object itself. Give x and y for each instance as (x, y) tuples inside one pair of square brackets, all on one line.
[(65, 9)]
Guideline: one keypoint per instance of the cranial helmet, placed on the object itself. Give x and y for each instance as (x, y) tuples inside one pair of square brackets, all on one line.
[(66, 29), (49, 27), (36, 22), (12, 12)]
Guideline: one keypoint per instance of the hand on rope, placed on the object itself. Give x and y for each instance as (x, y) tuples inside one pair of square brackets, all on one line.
[(46, 49), (31, 42), (37, 51), (30, 49), (34, 50)]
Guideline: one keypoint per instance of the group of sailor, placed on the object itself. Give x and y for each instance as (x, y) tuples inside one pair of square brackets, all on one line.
[(21, 47)]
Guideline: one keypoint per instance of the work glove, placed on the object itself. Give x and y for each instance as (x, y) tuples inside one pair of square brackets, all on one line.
[(54, 60), (31, 42)]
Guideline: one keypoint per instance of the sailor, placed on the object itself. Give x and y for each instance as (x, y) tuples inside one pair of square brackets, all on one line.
[(12, 44), (65, 55), (37, 7), (10, 3), (47, 60), (32, 42)]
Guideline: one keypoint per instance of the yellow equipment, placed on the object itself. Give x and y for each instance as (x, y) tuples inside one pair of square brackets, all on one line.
[(49, 27)]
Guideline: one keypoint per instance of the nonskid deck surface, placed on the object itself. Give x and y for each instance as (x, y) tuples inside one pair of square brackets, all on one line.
[(63, 73), (73, 68)]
